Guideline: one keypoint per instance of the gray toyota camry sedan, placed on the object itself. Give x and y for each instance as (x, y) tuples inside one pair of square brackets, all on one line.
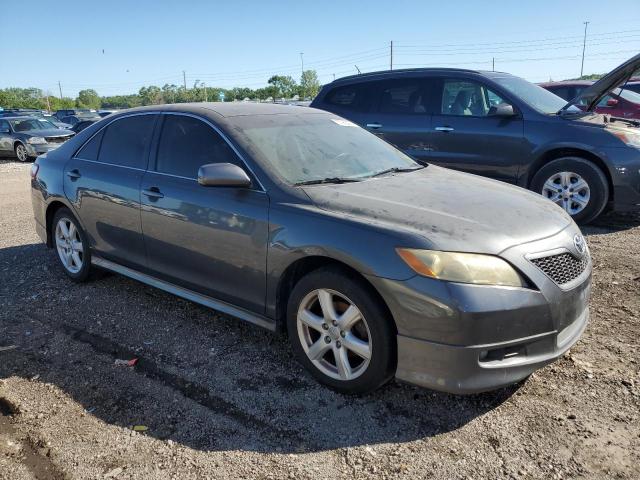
[(296, 219)]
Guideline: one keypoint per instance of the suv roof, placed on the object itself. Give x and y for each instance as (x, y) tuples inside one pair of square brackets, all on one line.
[(408, 71)]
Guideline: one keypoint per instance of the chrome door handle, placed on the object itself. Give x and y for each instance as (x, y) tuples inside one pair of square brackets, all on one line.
[(73, 174), (374, 125), (153, 192), (444, 129)]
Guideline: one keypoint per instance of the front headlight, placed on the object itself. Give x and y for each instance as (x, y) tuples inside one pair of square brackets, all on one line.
[(462, 267), (632, 139), (36, 140)]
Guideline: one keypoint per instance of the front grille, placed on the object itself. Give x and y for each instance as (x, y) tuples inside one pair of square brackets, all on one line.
[(562, 268), (58, 139)]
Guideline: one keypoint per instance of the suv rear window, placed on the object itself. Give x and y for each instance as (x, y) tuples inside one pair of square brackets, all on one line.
[(348, 97)]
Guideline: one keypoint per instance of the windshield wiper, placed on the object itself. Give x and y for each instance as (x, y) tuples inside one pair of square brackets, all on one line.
[(327, 180), (628, 121), (395, 170)]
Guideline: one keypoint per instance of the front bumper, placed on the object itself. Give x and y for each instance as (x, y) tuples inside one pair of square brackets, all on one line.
[(478, 368), (40, 148), (463, 338)]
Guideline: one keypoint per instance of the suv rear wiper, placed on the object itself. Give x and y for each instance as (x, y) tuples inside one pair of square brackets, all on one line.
[(395, 170), (628, 121), (327, 180)]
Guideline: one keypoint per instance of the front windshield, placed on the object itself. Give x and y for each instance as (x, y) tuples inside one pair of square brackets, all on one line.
[(303, 148), (534, 95), (27, 124)]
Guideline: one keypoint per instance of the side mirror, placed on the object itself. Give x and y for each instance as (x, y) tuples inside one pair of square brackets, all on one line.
[(612, 102), (502, 110), (223, 175)]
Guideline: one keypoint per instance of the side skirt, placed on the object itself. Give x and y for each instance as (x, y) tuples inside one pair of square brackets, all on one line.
[(187, 294)]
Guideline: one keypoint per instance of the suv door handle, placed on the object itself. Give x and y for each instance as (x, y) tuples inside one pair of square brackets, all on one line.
[(444, 129), (153, 192), (73, 174), (374, 125)]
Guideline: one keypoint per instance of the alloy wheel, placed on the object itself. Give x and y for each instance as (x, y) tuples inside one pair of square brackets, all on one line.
[(21, 153), (69, 245), (569, 190), (334, 334)]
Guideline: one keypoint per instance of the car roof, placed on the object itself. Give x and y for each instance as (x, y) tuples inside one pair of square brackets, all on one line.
[(384, 74), (567, 82), (228, 109)]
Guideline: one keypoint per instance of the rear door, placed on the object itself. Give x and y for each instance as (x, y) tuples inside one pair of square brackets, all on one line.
[(401, 115), (103, 183), (465, 136), (208, 239), (349, 101)]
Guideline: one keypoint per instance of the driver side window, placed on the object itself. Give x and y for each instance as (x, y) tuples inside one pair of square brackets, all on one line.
[(467, 98)]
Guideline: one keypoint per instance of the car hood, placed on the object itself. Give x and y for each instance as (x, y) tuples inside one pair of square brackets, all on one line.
[(452, 210), (591, 95), (49, 132)]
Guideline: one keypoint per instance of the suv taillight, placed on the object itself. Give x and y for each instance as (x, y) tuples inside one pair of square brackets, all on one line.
[(34, 170)]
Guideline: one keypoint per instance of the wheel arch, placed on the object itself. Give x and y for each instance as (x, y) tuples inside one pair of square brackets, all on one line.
[(305, 265), (561, 152), (52, 208)]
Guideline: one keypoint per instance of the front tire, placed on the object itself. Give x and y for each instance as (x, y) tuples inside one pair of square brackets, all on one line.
[(341, 332), (576, 185), (71, 245), (21, 152)]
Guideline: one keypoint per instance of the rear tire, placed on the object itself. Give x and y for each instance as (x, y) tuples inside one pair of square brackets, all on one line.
[(71, 245), (341, 332), (575, 184)]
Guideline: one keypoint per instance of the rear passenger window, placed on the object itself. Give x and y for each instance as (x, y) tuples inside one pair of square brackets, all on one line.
[(349, 97), (187, 143), (90, 149), (403, 96), (125, 141)]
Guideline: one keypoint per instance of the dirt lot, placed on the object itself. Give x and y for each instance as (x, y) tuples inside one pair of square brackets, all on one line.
[(223, 399)]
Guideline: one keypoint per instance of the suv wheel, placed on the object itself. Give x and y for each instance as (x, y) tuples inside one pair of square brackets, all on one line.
[(576, 185), (21, 152), (71, 244), (340, 332)]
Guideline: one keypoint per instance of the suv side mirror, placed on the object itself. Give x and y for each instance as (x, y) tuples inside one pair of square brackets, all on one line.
[(502, 110), (612, 102), (223, 175)]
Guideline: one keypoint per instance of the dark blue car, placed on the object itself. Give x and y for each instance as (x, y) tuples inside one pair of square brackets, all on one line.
[(501, 126)]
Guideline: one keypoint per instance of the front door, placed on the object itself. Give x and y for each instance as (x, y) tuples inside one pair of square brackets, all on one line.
[(208, 239), (103, 184), (466, 136)]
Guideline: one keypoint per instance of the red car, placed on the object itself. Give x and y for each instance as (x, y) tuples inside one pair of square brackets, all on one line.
[(618, 103)]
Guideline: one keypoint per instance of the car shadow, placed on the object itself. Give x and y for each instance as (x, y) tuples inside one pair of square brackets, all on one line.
[(612, 222), (202, 380)]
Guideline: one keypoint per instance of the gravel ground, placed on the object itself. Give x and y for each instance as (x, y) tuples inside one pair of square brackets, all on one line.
[(222, 399)]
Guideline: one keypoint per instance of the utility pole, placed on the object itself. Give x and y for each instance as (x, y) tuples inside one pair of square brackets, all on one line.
[(584, 45), (334, 77), (391, 55), (493, 64), (60, 87), (301, 64), (206, 98), (184, 79)]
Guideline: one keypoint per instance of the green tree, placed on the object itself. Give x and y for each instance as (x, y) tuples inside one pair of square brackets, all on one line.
[(284, 86), (88, 99), (309, 84)]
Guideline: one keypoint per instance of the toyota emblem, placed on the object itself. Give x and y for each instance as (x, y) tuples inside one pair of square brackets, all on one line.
[(580, 244)]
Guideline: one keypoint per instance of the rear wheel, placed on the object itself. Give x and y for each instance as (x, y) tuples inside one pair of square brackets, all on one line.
[(71, 245), (576, 185), (341, 332), (21, 152)]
